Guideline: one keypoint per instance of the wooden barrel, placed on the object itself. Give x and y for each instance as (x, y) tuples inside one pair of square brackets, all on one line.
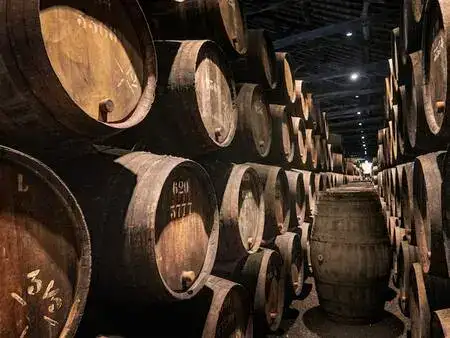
[(396, 55), (311, 149), (290, 248), (399, 236), (398, 190), (241, 205), (162, 223), (408, 255), (261, 274), (435, 38), (351, 262), (301, 101), (283, 141), (309, 199), (259, 65), (427, 199), (253, 138), (284, 92), (306, 247), (276, 199), (60, 83), (440, 323), (46, 253), (297, 198), (220, 21), (406, 191), (303, 157), (336, 143), (194, 112), (411, 25)]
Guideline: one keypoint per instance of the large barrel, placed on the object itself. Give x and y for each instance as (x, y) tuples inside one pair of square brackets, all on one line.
[(297, 198), (290, 248), (428, 201), (194, 112), (46, 254), (284, 92), (276, 199), (218, 20), (435, 41), (73, 69), (161, 219), (309, 200), (253, 138), (241, 206), (283, 141), (350, 254), (259, 65)]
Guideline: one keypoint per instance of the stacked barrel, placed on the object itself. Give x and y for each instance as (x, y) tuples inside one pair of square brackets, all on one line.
[(413, 165), (191, 160)]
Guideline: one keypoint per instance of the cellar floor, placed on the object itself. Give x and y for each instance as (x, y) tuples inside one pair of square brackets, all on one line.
[(305, 319)]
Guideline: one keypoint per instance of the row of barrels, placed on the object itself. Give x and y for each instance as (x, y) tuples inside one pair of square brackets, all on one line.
[(152, 229), (417, 87), (414, 196)]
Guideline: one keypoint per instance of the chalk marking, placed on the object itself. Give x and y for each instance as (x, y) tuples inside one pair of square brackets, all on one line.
[(19, 299)]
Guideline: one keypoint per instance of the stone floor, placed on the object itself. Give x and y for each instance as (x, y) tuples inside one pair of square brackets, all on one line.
[(305, 319)]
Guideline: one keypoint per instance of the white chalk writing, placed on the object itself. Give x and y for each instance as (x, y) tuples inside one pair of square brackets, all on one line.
[(21, 186)]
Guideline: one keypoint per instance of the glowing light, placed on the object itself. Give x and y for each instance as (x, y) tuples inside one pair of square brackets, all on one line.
[(349, 34), (354, 76), (359, 113), (360, 123)]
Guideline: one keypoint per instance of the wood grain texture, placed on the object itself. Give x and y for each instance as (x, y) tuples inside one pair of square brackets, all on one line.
[(218, 20), (73, 70), (407, 256), (440, 323), (154, 224), (44, 248), (418, 303), (297, 198), (259, 65), (283, 141), (194, 112)]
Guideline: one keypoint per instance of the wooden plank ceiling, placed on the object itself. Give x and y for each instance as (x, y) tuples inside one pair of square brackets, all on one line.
[(314, 32)]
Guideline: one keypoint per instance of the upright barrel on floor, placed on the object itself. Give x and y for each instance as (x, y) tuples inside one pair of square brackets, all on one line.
[(45, 251), (350, 254)]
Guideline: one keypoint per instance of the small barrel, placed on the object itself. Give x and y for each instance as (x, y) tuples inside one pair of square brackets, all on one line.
[(261, 274), (194, 112), (74, 69), (302, 158), (428, 201), (297, 198), (241, 205), (276, 199), (440, 323), (283, 141), (351, 261), (406, 191), (309, 199), (217, 20), (260, 64), (435, 42), (290, 248), (408, 255), (301, 106), (46, 253), (284, 92), (253, 138), (162, 223)]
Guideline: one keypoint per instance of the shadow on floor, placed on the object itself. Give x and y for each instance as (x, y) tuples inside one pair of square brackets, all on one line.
[(317, 322)]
